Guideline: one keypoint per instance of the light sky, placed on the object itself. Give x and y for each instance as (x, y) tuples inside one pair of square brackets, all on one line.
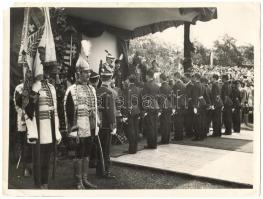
[(236, 20)]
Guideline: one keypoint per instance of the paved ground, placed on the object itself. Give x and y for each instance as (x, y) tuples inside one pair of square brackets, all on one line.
[(126, 178), (197, 161), (229, 158), (168, 166)]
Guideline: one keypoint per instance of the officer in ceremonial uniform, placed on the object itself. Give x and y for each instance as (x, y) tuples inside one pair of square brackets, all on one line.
[(94, 80), (236, 98), (179, 104), (131, 113), (199, 105), (207, 98), (150, 110), (42, 125), (165, 102), (25, 149), (81, 118), (227, 109), (189, 112), (107, 111), (216, 107), (108, 65), (117, 75)]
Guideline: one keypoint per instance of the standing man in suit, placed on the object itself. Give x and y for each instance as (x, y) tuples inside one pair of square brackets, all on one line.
[(150, 110)]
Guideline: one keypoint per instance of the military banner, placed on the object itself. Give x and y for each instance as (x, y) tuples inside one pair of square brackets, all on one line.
[(36, 34)]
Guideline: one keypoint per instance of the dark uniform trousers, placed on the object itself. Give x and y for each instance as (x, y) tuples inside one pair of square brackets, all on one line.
[(236, 120), (151, 128), (209, 119), (199, 124), (165, 120), (26, 149), (203, 123), (45, 152), (132, 131), (227, 119), (105, 139), (188, 121), (236, 115), (216, 121), (178, 124), (227, 111)]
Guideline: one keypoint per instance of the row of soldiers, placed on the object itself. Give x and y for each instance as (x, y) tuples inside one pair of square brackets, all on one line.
[(92, 106), (187, 108)]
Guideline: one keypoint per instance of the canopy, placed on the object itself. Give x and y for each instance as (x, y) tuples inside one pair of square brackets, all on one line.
[(135, 22)]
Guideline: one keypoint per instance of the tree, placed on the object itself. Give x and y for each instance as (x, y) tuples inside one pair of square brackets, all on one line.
[(226, 52), (151, 48), (201, 55), (247, 54)]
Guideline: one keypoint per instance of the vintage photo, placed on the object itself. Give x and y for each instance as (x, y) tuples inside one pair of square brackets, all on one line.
[(133, 98)]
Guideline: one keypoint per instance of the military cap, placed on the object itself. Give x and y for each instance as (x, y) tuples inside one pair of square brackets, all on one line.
[(163, 76), (216, 76), (94, 77), (109, 55), (225, 77), (197, 75), (235, 82), (132, 78)]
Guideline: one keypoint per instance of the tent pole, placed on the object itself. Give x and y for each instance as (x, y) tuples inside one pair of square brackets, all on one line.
[(187, 47)]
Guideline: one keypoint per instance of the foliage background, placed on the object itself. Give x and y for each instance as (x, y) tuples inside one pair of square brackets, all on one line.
[(170, 56)]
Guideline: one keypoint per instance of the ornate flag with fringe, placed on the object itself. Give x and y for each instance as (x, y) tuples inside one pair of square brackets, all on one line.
[(36, 33)]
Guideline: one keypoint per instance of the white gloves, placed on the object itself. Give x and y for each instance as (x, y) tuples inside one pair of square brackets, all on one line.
[(195, 110), (58, 140), (124, 119), (114, 131), (97, 131)]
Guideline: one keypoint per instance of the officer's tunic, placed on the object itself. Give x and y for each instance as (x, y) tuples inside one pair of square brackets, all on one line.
[(150, 106), (216, 113), (81, 109), (179, 104), (165, 102), (131, 111), (227, 111), (106, 111)]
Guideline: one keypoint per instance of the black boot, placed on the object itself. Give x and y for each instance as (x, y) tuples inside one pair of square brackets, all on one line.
[(86, 183), (78, 174)]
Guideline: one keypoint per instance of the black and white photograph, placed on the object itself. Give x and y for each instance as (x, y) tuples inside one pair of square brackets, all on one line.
[(132, 97)]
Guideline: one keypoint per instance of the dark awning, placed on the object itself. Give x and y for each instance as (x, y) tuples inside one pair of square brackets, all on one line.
[(135, 22)]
